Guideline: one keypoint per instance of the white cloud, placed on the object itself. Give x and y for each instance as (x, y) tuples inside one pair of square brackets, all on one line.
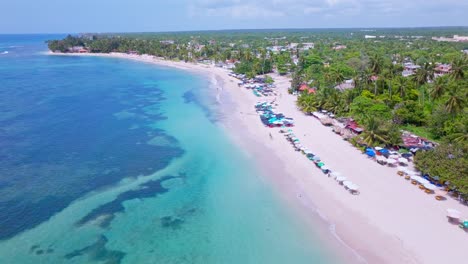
[(345, 9)]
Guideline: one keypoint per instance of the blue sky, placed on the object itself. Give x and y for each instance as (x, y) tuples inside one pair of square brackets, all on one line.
[(61, 16)]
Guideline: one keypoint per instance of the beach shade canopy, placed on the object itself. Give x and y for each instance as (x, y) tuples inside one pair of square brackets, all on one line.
[(430, 186), (352, 186), (402, 169), (419, 179), (381, 158), (452, 213), (391, 161), (406, 155), (393, 156), (378, 148), (341, 179), (335, 174), (324, 168), (347, 183), (320, 164), (415, 177), (308, 152), (316, 158), (403, 160)]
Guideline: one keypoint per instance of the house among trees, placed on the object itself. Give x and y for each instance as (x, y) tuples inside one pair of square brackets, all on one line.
[(339, 47), (442, 69), (78, 49), (347, 84), (167, 42), (308, 45), (353, 126), (409, 69)]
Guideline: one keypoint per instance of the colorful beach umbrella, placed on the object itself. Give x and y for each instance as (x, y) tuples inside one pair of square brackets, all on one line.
[(320, 164)]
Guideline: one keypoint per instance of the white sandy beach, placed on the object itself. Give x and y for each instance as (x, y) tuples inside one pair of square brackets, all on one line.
[(391, 221)]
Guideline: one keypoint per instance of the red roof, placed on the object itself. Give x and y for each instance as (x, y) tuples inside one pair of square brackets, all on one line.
[(351, 124), (304, 87)]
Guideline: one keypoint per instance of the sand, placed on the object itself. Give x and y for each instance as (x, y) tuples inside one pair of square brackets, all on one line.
[(391, 221)]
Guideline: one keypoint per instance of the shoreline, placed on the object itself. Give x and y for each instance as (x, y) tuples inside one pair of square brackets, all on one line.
[(390, 222)]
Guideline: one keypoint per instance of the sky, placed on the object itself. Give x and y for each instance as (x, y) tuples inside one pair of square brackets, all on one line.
[(62, 16)]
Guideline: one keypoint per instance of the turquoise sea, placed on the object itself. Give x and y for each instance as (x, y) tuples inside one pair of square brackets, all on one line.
[(113, 161)]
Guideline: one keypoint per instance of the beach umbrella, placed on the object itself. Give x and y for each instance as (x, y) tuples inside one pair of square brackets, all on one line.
[(370, 153), (324, 168), (403, 160), (391, 161), (378, 148), (340, 178), (393, 156), (320, 164), (454, 214), (316, 158), (347, 183)]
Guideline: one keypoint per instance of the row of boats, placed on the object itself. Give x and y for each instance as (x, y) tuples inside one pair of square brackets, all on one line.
[(270, 118)]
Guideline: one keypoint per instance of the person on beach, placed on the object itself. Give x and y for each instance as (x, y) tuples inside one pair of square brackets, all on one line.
[(271, 137)]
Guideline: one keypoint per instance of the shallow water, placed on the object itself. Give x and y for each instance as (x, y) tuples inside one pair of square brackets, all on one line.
[(113, 161)]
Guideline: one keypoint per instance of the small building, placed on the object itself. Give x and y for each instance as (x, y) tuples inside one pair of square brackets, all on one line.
[(443, 68), (339, 47), (76, 49), (370, 37), (167, 42), (308, 45), (347, 84), (353, 126), (460, 38)]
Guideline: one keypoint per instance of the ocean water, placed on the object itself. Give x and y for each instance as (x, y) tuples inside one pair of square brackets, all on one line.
[(113, 161)]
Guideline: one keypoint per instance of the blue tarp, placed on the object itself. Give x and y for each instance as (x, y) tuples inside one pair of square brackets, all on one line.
[(384, 151)]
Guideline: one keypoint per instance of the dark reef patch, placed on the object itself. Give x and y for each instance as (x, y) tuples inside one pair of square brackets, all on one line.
[(98, 252), (61, 136), (171, 222), (147, 190), (192, 97)]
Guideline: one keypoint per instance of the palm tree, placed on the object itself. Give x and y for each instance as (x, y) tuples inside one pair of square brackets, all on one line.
[(307, 103), (438, 88), (458, 67), (456, 100), (424, 74), (399, 83), (373, 133), (376, 63)]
